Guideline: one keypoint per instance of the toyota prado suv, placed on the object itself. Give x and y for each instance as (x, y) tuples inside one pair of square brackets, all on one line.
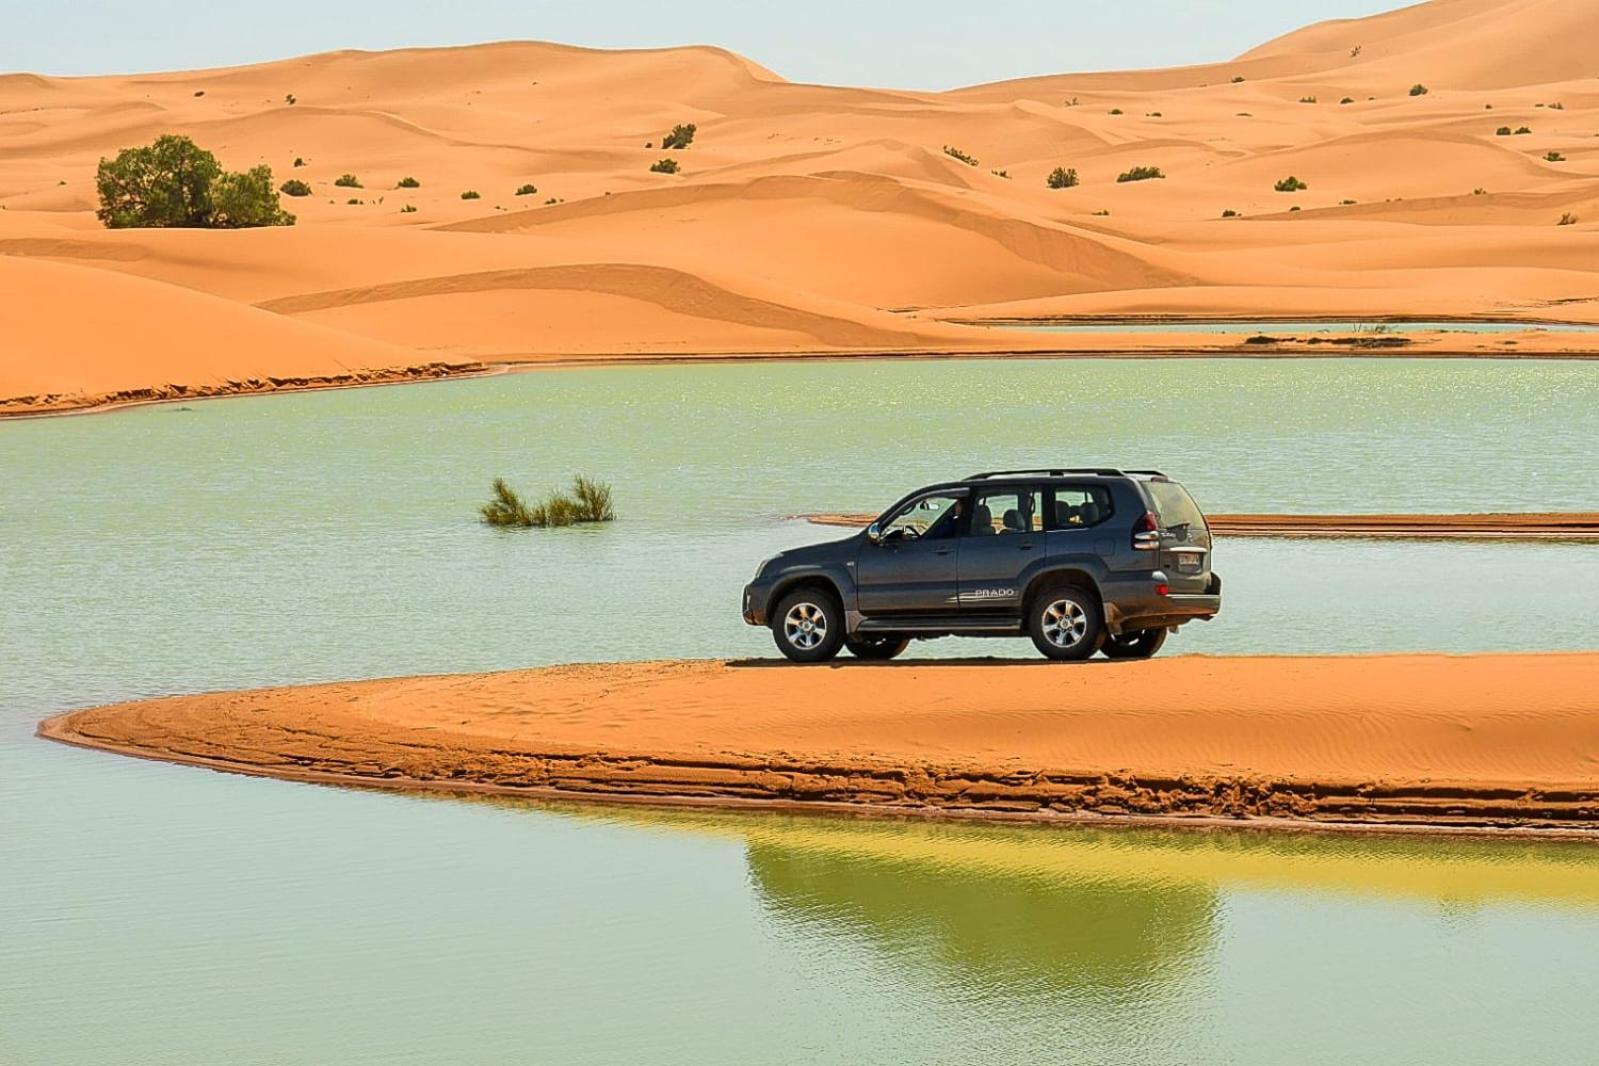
[(1081, 560)]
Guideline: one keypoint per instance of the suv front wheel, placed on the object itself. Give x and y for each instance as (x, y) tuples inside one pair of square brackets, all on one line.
[(808, 626), (1065, 623)]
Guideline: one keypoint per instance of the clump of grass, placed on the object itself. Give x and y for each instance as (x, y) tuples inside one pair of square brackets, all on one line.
[(1554, 156), (1354, 53), (294, 187), (1072, 102), (1103, 212), (299, 162), (588, 501), (1557, 106), (347, 181), (1062, 178), (1479, 191), (1347, 100), (471, 194), (664, 166), (409, 182), (1503, 131), (1115, 111), (352, 201), (681, 136), (1522, 131), (1307, 99), (1140, 174), (408, 209), (956, 153), (1153, 114), (1419, 89), (1290, 184), (527, 189), (1237, 78), (1567, 219), (1346, 203), (1229, 213)]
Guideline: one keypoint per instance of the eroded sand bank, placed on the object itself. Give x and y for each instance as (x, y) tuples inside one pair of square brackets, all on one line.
[(1484, 741)]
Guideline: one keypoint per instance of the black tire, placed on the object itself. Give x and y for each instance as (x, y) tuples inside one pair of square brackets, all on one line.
[(815, 631), (876, 649), (1139, 644), (1065, 623)]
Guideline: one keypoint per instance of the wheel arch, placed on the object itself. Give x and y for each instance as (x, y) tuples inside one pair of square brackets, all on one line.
[(813, 579), (1062, 575)]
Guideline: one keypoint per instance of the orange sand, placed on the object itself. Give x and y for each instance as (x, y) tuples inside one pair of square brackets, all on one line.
[(1461, 741), (808, 219)]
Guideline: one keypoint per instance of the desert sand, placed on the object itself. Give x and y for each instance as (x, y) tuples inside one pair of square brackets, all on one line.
[(806, 219), (1483, 741), (1565, 526)]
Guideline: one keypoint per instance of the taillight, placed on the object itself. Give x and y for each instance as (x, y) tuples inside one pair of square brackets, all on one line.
[(1163, 590), (1146, 533)]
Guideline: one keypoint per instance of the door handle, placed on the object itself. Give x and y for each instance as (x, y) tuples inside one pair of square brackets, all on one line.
[(1025, 546), (942, 551)]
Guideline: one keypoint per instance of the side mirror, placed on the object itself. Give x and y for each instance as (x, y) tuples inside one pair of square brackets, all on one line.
[(874, 533)]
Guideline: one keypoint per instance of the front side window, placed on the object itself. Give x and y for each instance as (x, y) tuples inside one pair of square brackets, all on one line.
[(1004, 512), (929, 518), (1080, 506)]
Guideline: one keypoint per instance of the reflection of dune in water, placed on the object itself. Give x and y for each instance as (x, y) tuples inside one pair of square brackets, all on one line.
[(1008, 934)]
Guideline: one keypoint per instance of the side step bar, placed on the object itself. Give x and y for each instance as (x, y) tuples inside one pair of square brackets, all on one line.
[(923, 624)]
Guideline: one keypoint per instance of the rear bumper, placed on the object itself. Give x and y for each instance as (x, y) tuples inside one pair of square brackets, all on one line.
[(1134, 605)]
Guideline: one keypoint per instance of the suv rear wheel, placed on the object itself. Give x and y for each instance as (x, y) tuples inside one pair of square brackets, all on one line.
[(1065, 623), (1139, 644), (808, 625), (876, 649)]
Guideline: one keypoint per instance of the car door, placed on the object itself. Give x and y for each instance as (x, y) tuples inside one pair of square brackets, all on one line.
[(911, 568), (1003, 538), (1075, 519)]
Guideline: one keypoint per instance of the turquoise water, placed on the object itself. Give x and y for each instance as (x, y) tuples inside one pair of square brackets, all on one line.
[(158, 914), (1298, 326)]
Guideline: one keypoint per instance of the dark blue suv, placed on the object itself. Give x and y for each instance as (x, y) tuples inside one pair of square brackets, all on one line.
[(1081, 560)]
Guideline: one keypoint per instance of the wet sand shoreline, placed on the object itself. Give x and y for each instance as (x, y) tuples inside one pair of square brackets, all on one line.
[(1461, 743)]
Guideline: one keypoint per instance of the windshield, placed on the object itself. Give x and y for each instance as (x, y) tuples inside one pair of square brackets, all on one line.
[(1174, 506)]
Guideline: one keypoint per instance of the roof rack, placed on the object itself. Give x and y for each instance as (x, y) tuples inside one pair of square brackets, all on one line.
[(1062, 471)]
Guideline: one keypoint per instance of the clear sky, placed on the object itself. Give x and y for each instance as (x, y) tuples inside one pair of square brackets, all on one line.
[(932, 44)]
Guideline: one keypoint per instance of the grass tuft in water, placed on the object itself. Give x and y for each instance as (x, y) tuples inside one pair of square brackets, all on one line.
[(589, 501)]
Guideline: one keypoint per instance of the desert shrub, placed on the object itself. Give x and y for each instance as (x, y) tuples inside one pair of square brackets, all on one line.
[(1062, 178), (528, 189), (1479, 191), (199, 92), (1567, 219), (590, 501), (1522, 131), (289, 99), (1229, 213), (1346, 203), (1557, 106), (408, 182), (1290, 184), (1502, 131), (1554, 156), (1237, 78), (299, 162), (294, 187), (1140, 174), (1115, 110), (1103, 212), (1307, 99), (347, 181), (471, 194), (176, 183), (1418, 89), (681, 136), (1347, 100), (408, 209), (956, 153), (1354, 53), (1072, 102), (354, 200), (1001, 174), (1294, 208), (665, 166), (1153, 114)]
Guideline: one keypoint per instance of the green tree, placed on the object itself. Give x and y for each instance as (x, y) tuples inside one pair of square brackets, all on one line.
[(167, 183), (241, 199), (681, 136)]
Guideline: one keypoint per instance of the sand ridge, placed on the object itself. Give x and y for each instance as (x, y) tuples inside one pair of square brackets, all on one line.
[(807, 220), (1479, 741)]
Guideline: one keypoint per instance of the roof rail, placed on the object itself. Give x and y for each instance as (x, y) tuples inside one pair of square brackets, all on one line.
[(1155, 474), (1059, 471)]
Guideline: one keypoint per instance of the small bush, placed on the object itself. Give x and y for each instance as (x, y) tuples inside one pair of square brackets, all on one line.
[(1522, 131), (1103, 212), (408, 182), (1557, 106), (289, 99), (199, 92), (1354, 53), (664, 166), (590, 501), (1153, 114), (1001, 174), (1229, 213), (1503, 131), (294, 187), (347, 181), (299, 162), (1294, 208), (1072, 102), (526, 190), (956, 153), (1290, 184), (471, 194), (1062, 178), (1237, 78), (354, 200), (1418, 89), (1479, 191), (1307, 99), (408, 209), (1567, 219), (1554, 156), (1140, 174), (681, 137), (551, 200), (1115, 111), (1346, 203)]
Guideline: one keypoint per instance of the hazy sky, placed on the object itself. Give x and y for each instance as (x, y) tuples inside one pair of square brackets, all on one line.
[(933, 44)]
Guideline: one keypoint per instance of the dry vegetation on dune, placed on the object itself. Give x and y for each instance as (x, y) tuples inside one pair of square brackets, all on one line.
[(691, 202)]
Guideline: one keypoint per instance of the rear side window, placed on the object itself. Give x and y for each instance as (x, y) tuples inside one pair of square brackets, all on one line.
[(1078, 506), (1174, 506)]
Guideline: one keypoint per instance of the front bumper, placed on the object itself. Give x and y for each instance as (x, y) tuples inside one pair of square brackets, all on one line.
[(756, 593)]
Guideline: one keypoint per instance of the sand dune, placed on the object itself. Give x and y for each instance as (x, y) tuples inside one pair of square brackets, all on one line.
[(1462, 741), (806, 219)]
